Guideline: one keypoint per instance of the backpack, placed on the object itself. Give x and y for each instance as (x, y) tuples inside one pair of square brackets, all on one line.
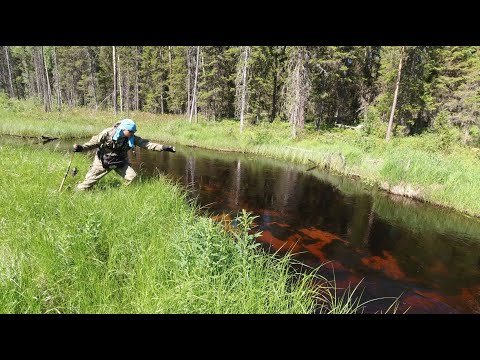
[(111, 160)]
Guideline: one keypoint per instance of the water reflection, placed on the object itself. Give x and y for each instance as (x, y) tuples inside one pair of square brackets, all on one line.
[(397, 246)]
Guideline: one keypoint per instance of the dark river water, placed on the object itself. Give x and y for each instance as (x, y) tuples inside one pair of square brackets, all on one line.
[(392, 246)]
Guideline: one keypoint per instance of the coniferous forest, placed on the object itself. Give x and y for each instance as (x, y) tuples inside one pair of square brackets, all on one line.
[(401, 90)]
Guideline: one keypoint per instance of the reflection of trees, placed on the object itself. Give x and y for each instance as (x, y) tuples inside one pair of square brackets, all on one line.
[(361, 222), (285, 188), (238, 175), (190, 173)]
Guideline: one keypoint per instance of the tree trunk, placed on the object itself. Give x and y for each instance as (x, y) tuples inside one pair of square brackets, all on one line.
[(137, 67), (38, 73), (297, 88), (57, 80), (10, 82), (127, 92), (170, 60), (244, 88), (274, 95), (397, 85), (120, 81), (189, 76), (194, 98), (114, 56), (48, 91)]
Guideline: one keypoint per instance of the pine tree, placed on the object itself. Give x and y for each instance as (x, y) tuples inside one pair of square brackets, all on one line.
[(457, 86), (177, 80)]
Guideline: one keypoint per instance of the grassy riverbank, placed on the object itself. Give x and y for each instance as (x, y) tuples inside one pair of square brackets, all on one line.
[(431, 167), (135, 249)]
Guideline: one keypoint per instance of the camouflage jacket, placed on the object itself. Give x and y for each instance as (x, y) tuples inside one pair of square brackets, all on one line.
[(104, 142)]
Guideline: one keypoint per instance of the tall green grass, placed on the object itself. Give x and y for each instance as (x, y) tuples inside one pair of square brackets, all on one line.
[(127, 249)]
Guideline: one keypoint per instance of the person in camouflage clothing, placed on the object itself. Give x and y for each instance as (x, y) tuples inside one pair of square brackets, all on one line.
[(113, 144)]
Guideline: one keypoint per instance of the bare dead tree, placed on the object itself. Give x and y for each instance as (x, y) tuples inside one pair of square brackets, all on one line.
[(114, 56), (208, 103), (161, 82), (170, 60), (137, 69), (10, 82), (38, 73), (120, 80), (57, 80), (297, 89), (48, 91), (189, 76), (397, 85), (194, 97), (127, 91), (241, 84)]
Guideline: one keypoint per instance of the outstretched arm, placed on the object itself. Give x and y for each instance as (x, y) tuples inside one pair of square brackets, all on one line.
[(93, 143), (147, 144)]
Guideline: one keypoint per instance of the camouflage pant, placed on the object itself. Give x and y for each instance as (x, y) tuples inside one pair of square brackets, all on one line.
[(97, 171)]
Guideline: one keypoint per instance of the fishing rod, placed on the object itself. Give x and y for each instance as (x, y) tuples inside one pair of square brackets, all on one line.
[(66, 172)]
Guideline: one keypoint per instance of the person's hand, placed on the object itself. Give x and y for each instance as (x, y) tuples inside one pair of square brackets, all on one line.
[(168, 148), (77, 148)]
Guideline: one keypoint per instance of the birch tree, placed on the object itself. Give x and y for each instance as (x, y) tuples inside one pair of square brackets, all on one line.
[(194, 96), (114, 81), (189, 80), (57, 80), (48, 92), (38, 73), (397, 85), (241, 84), (120, 79)]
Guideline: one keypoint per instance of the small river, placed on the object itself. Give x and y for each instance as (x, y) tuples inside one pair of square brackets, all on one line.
[(391, 245)]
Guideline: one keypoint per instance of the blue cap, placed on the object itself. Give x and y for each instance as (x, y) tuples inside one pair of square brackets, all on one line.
[(128, 124)]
